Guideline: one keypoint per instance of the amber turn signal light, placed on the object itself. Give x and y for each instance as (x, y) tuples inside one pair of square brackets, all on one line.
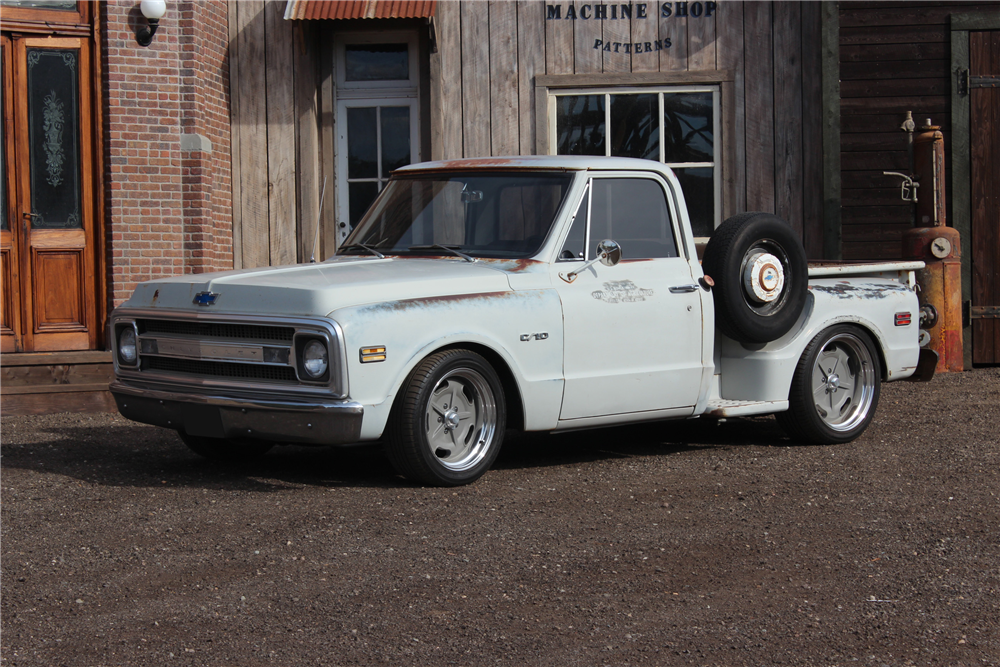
[(372, 354)]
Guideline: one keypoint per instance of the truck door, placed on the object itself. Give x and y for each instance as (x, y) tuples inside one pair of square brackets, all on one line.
[(633, 332)]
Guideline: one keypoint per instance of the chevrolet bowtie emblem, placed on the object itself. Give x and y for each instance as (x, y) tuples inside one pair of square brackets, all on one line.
[(205, 298)]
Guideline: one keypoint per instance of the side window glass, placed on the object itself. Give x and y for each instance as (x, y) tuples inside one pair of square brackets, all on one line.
[(633, 212), (576, 242)]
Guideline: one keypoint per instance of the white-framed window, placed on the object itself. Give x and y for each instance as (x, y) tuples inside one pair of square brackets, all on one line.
[(384, 59), (377, 77), (679, 126)]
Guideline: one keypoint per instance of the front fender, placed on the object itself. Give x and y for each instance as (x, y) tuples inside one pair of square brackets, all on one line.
[(524, 328)]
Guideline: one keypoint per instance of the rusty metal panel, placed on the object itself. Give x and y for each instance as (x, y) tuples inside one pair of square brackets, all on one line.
[(941, 287), (359, 9)]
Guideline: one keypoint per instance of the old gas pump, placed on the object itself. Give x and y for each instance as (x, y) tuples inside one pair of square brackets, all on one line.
[(932, 242)]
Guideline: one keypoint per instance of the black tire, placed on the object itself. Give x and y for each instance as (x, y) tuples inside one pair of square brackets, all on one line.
[(823, 407), (757, 246), (225, 451), (448, 423)]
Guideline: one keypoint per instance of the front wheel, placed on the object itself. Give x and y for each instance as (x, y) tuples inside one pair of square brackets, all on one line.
[(448, 424), (835, 388)]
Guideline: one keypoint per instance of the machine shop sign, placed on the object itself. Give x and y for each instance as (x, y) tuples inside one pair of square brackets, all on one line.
[(621, 291), (628, 11)]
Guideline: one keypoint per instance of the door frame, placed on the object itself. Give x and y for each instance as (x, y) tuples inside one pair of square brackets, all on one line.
[(961, 154), (408, 92), (343, 212), (84, 23), (10, 282)]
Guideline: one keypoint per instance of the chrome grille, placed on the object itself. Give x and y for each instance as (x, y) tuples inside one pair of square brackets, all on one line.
[(253, 353), (218, 369), (217, 330)]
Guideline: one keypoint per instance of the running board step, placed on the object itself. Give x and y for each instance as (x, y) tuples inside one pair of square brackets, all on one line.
[(721, 407)]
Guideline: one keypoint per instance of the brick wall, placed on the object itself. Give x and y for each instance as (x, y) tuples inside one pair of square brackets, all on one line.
[(166, 133)]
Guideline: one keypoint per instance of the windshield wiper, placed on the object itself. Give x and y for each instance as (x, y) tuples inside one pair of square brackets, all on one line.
[(364, 246), (447, 248)]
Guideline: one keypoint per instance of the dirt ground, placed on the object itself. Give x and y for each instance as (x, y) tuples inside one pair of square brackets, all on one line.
[(675, 543)]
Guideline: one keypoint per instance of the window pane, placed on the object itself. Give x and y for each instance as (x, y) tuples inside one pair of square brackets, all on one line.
[(633, 212), (698, 185), (362, 143), (395, 138), (577, 239), (377, 62), (525, 213), (635, 129), (485, 214), (53, 135), (688, 127), (361, 196), (580, 125)]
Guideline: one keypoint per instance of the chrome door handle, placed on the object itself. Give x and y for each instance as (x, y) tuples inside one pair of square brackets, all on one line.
[(682, 289)]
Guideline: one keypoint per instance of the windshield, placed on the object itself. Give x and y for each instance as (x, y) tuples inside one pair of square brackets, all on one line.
[(481, 214)]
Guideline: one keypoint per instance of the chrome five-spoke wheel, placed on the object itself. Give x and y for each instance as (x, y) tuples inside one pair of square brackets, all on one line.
[(835, 389), (460, 419), (843, 382)]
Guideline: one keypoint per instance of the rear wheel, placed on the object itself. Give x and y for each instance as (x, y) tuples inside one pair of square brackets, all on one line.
[(835, 388), (448, 424), (224, 450)]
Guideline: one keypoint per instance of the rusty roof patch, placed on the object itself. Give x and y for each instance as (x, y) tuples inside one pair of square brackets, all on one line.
[(359, 9)]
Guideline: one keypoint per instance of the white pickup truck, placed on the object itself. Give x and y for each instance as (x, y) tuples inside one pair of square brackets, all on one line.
[(480, 296)]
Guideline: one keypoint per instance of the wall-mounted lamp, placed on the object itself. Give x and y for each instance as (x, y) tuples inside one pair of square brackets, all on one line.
[(153, 10)]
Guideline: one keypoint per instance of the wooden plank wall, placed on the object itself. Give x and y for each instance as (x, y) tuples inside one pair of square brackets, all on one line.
[(488, 55), (275, 133), (482, 101), (49, 382), (894, 58)]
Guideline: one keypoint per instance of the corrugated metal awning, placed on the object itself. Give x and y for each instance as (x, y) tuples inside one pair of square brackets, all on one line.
[(359, 9)]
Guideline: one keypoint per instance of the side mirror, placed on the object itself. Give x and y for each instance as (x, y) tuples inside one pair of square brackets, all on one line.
[(609, 253)]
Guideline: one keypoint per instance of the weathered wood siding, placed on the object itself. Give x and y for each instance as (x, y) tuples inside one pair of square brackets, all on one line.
[(275, 134), (489, 53), (479, 98), (894, 58)]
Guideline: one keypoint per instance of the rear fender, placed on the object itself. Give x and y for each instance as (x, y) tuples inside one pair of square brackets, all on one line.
[(765, 373)]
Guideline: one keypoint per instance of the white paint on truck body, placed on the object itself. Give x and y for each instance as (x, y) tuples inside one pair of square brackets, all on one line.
[(616, 345)]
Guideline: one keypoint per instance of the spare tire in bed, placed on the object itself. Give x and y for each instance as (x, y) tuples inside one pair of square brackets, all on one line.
[(759, 268)]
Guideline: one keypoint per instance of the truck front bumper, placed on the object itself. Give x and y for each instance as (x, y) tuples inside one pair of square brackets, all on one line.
[(215, 416)]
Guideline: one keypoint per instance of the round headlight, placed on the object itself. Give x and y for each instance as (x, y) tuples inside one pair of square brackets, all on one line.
[(126, 345), (314, 359)]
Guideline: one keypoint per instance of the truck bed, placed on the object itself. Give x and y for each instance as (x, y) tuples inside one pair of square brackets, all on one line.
[(831, 269)]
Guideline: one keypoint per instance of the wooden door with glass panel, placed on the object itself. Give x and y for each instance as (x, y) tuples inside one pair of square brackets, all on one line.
[(47, 230), (377, 117)]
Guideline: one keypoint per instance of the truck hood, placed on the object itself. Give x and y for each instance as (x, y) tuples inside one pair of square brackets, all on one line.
[(319, 289)]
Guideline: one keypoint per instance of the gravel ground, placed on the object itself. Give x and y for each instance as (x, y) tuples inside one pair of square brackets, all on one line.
[(667, 544)]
